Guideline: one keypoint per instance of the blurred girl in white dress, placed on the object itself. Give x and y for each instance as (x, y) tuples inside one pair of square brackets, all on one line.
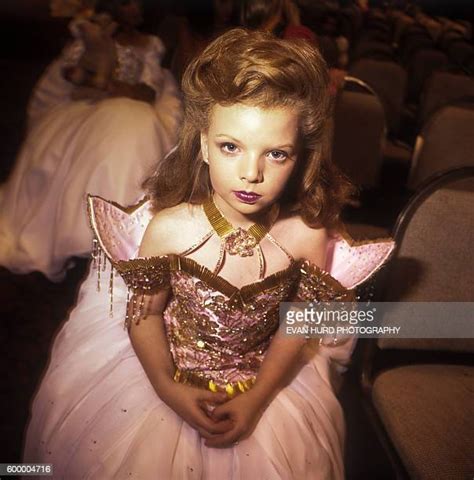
[(84, 139)]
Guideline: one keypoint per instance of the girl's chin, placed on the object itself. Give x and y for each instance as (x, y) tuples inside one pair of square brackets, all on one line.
[(232, 207), (254, 211)]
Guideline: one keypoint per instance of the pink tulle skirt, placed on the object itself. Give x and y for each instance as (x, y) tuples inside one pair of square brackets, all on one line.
[(96, 415)]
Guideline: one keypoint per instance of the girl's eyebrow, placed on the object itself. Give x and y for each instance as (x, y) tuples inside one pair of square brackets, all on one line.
[(230, 137)]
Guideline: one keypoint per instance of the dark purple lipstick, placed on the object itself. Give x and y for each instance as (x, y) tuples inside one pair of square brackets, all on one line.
[(247, 197)]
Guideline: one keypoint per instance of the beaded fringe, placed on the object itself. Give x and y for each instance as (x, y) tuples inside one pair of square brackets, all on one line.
[(136, 307), (99, 263)]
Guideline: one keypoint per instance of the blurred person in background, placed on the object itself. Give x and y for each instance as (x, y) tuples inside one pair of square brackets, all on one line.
[(85, 139)]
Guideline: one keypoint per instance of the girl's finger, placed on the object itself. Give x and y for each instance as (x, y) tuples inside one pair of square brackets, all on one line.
[(225, 440), (221, 412), (204, 422), (204, 433), (212, 397)]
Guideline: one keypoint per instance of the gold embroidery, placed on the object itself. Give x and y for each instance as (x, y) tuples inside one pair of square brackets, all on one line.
[(144, 275), (317, 285)]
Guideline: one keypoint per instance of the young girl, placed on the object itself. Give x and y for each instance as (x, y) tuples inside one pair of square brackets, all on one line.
[(205, 385), (81, 140)]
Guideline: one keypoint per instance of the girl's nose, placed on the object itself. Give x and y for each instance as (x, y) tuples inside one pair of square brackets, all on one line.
[(251, 169)]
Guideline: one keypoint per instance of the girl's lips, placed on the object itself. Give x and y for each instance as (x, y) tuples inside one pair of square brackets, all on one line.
[(247, 197)]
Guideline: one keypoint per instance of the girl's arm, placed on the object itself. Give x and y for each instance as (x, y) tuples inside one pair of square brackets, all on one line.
[(149, 341), (148, 338), (282, 361), (284, 357)]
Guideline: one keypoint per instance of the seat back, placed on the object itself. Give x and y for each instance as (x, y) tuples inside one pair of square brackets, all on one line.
[(367, 48), (422, 65), (434, 261), (441, 89), (359, 136), (446, 142), (329, 50), (415, 38), (388, 79), (460, 52)]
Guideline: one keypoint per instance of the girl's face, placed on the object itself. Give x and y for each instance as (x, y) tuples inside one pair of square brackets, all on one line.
[(251, 154)]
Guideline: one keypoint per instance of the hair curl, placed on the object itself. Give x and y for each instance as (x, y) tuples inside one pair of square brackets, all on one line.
[(255, 68)]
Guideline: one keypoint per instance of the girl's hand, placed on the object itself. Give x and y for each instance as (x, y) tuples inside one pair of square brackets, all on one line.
[(194, 406), (244, 411)]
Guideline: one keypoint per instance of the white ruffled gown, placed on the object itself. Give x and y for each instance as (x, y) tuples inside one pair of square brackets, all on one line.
[(107, 148)]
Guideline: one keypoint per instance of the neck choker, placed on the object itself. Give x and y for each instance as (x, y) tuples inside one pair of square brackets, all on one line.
[(238, 241)]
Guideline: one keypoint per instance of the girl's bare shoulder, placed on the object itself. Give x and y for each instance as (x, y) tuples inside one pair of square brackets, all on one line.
[(301, 240), (172, 230)]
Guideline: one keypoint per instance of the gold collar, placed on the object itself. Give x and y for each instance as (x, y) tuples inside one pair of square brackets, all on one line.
[(238, 241)]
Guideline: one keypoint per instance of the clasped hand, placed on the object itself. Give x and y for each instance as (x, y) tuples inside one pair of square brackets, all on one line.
[(218, 419)]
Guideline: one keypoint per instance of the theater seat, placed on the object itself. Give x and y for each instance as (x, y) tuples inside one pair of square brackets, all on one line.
[(419, 392)]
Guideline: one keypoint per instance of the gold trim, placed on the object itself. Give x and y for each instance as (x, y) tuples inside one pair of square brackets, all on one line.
[(359, 243), (224, 228), (240, 296), (218, 222), (128, 210), (280, 246), (92, 216), (309, 269), (231, 388)]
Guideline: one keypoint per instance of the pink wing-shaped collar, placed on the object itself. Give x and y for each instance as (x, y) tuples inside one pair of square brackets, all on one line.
[(353, 262), (119, 232)]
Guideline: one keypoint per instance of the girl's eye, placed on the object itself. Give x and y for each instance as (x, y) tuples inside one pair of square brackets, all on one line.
[(278, 155), (228, 147)]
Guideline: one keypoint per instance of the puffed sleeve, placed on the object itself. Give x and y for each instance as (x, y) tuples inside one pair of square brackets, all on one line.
[(145, 276), (316, 285), (348, 265)]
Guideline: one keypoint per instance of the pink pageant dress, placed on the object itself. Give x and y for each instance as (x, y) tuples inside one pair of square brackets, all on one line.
[(96, 415), (75, 147)]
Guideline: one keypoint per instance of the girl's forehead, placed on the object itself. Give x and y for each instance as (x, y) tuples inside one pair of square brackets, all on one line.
[(251, 115), (247, 122)]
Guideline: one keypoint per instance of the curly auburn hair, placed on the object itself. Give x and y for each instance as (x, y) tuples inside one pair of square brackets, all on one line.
[(257, 69)]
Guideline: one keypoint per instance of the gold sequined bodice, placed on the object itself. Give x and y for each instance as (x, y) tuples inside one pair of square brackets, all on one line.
[(218, 333)]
